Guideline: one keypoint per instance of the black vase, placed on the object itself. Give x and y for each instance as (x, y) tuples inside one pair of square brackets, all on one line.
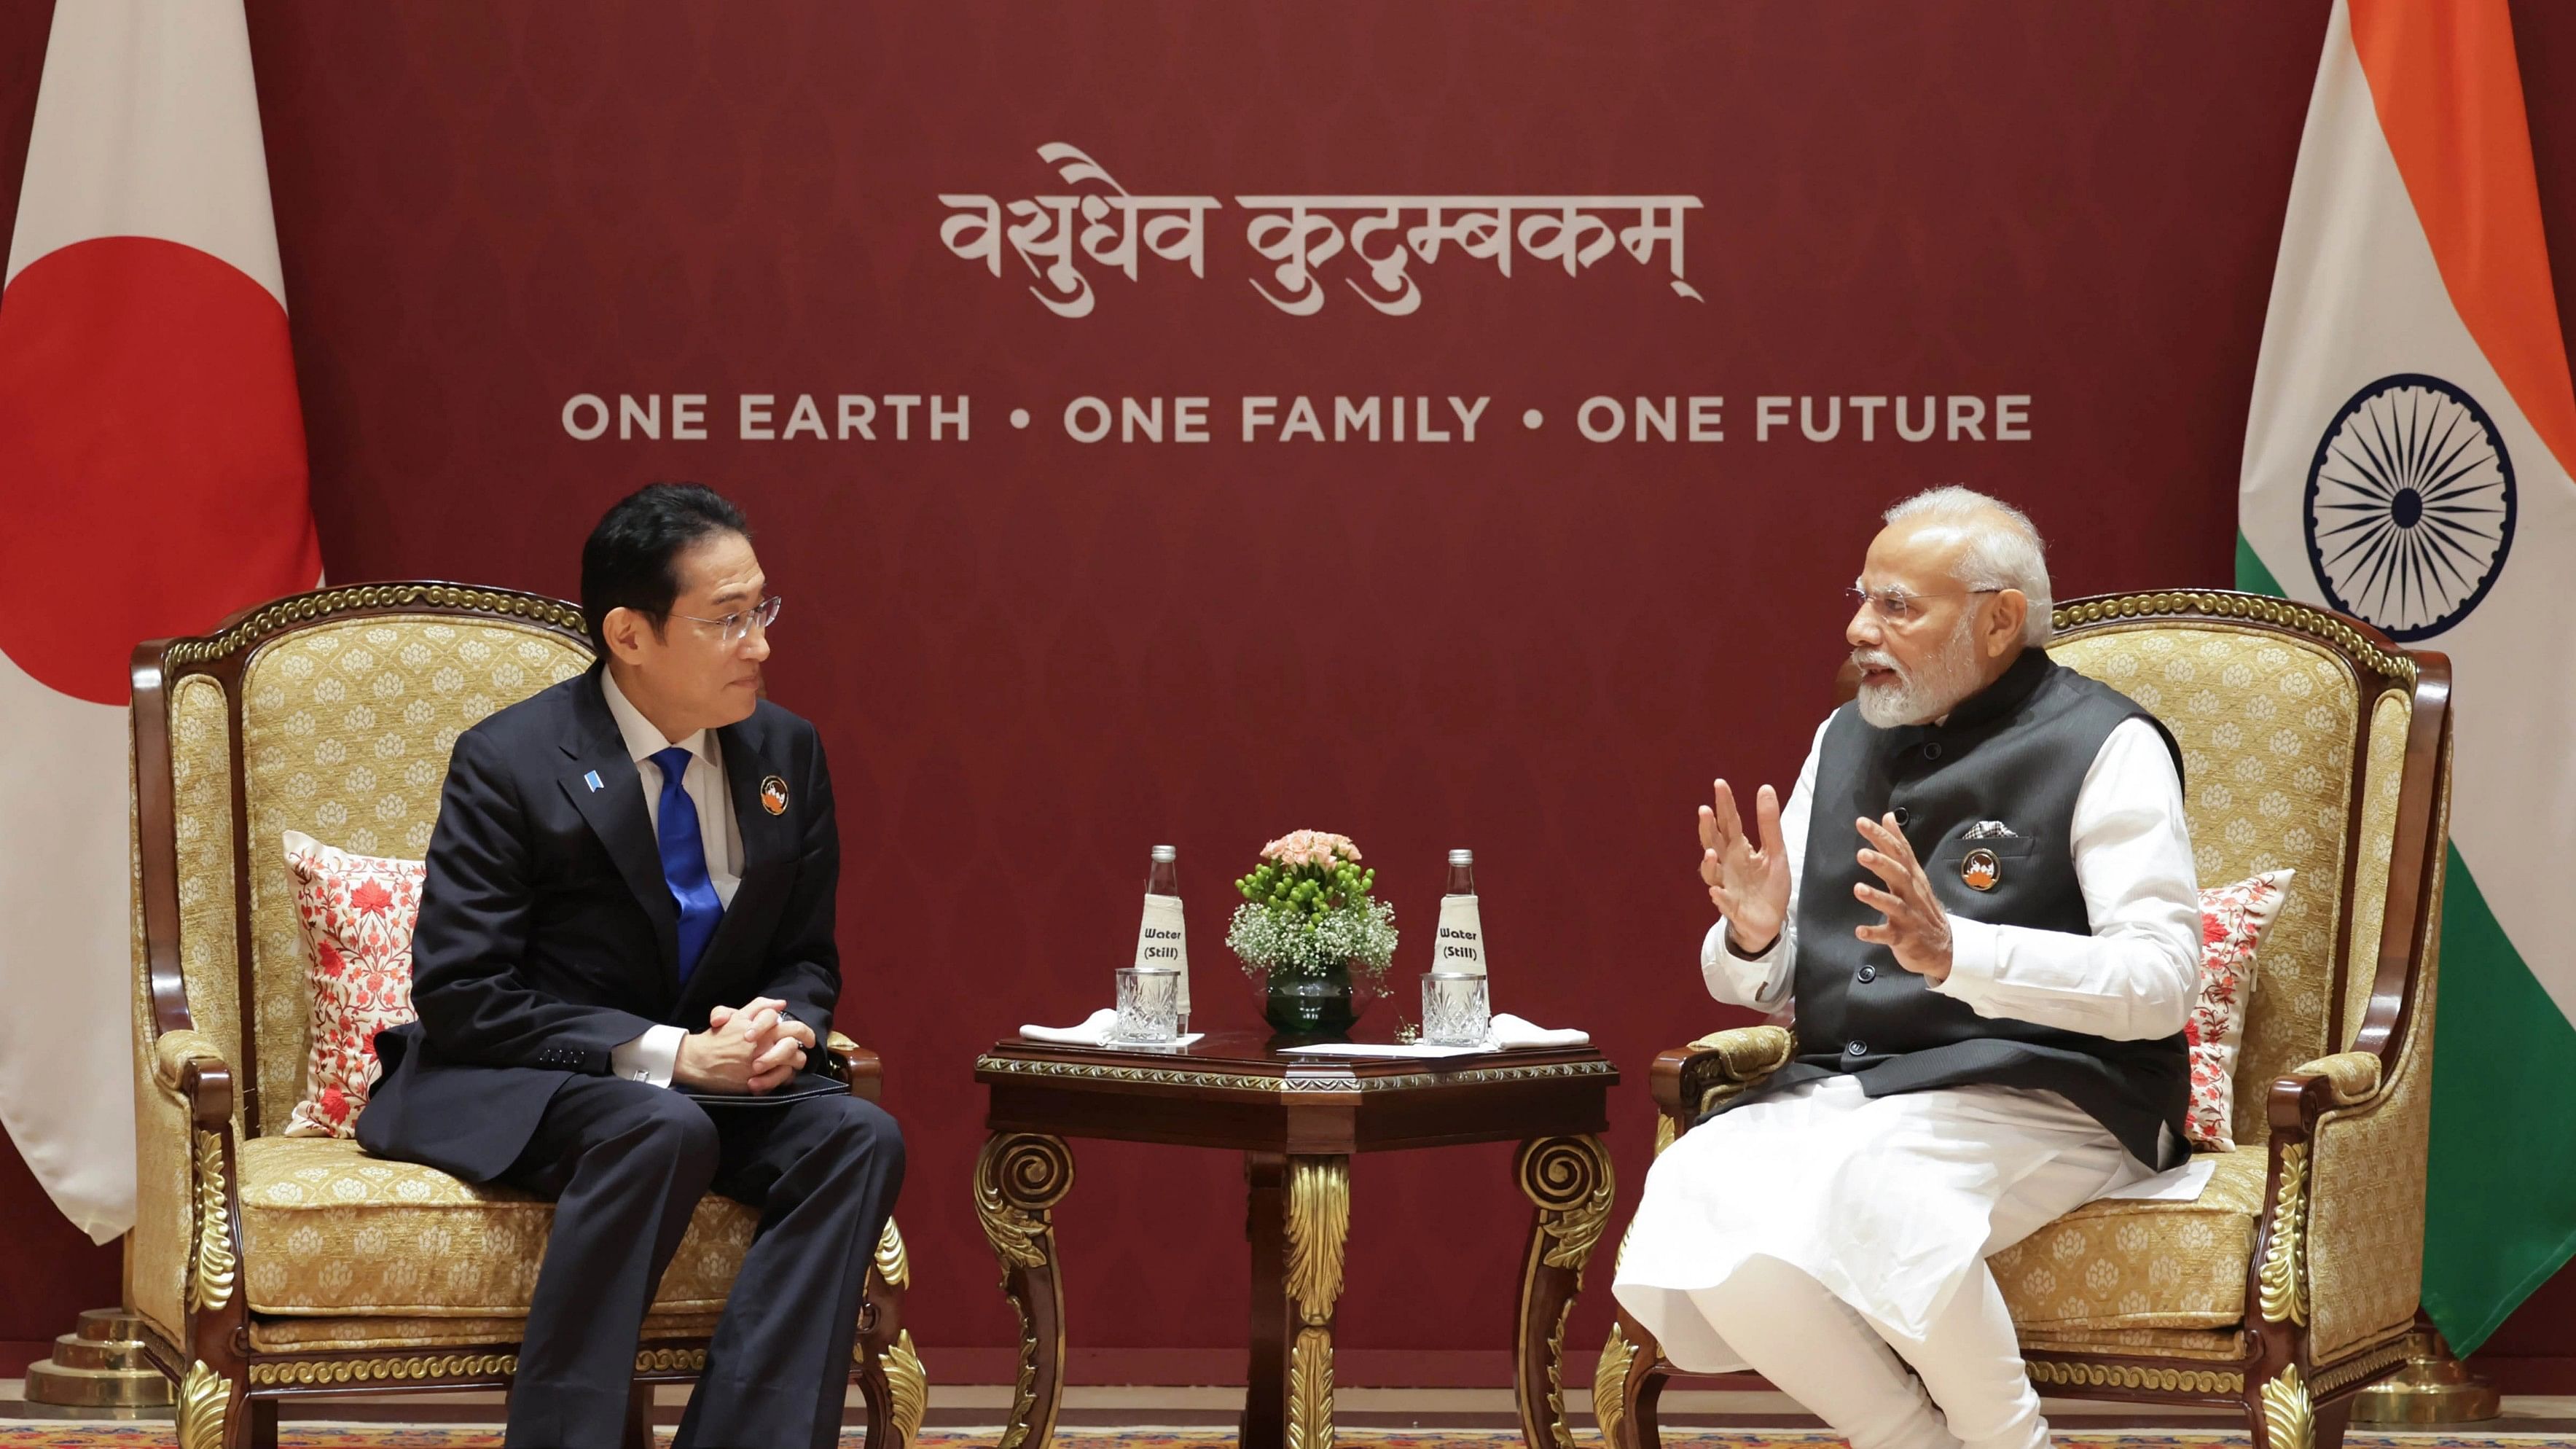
[(1320, 1006)]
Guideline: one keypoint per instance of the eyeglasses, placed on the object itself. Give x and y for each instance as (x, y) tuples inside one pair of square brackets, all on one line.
[(738, 626), (1899, 608)]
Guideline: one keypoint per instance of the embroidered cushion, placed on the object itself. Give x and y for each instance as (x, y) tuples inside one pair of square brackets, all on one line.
[(2232, 922), (355, 913)]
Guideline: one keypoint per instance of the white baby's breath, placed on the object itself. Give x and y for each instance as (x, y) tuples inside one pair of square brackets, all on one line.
[(1361, 934)]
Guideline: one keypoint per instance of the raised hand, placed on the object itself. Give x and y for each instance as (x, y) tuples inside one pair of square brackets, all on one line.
[(1915, 926), (1748, 877)]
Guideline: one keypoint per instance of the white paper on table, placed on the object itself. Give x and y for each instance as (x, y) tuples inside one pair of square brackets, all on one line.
[(1415, 1050), (1163, 939), (1101, 1029), (1506, 1031), (1459, 945), (2179, 1184)]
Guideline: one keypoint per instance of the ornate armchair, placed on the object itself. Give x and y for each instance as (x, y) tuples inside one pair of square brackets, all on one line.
[(2309, 741), (265, 1266)]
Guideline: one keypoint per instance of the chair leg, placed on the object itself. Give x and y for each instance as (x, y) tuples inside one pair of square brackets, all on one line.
[(892, 1382), (639, 1417), (1627, 1385), (872, 1395), (2332, 1419), (260, 1420)]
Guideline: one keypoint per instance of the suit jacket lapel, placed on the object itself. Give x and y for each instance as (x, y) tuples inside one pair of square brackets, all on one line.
[(768, 856), (616, 814)]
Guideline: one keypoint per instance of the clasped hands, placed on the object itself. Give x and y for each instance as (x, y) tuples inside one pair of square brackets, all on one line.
[(754, 1048), (1748, 880)]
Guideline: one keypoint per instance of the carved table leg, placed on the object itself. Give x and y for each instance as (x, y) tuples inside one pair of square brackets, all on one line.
[(1018, 1176), (1570, 1181), (1299, 1218)]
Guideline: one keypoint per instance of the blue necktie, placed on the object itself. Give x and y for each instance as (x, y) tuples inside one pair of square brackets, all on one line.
[(684, 861)]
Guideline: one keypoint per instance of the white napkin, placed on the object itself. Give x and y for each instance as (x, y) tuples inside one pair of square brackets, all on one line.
[(1099, 1029), (1407, 1051), (2179, 1184), (1506, 1031)]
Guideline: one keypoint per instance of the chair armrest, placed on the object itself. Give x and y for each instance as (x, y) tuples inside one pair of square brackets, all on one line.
[(2348, 1077), (186, 1064), (1688, 1081), (854, 1064), (183, 1254)]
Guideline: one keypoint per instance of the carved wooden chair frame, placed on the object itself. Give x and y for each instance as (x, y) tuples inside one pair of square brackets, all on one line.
[(229, 1391), (2290, 1400)]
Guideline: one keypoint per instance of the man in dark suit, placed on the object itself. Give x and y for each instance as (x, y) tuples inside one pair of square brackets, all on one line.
[(624, 855)]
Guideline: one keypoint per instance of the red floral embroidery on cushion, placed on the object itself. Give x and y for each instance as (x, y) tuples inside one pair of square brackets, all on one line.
[(356, 913), (2232, 921)]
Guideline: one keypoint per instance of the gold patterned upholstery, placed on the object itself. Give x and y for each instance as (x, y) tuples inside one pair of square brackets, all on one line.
[(330, 1231), (2266, 726), (2124, 1263), (334, 714), (2311, 743), (346, 730)]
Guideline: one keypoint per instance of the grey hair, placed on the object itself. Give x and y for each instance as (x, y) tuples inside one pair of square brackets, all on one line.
[(2004, 549)]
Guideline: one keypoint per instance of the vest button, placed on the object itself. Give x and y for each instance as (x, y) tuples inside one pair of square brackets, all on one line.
[(1858, 1049), (1932, 750), (1903, 815), (1869, 973)]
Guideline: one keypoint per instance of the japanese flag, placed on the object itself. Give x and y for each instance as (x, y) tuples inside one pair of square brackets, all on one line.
[(154, 455)]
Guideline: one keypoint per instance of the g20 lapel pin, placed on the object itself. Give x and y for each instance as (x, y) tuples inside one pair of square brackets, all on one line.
[(773, 795), (1981, 870)]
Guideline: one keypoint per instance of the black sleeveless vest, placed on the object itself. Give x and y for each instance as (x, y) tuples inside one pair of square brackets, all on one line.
[(2017, 753)]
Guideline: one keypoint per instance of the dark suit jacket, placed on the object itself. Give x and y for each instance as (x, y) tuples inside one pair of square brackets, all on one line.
[(548, 937)]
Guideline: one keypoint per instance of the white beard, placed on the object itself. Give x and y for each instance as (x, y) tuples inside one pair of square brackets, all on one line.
[(1913, 699)]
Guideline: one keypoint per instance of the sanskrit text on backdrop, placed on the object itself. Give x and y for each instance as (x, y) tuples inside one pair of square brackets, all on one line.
[(1299, 236)]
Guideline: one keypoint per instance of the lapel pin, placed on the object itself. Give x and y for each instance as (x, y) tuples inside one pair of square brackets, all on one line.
[(592, 780), (773, 795), (1981, 870)]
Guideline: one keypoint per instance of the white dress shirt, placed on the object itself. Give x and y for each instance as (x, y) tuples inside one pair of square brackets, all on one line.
[(653, 1056), (2135, 977)]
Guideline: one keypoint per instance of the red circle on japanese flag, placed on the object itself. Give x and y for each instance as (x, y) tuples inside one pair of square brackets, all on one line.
[(154, 454)]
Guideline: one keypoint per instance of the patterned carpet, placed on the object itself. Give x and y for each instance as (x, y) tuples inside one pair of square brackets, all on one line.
[(370, 1436)]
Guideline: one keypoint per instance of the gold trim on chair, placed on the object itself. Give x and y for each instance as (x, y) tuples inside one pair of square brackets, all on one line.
[(305, 608), (907, 1388), (2289, 1419), (205, 1402), (212, 1286), (894, 1266), (403, 1369), (2133, 1376), (2238, 606), (2284, 1279), (1610, 1383)]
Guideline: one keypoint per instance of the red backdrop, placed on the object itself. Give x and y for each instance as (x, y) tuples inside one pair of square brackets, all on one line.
[(1032, 658)]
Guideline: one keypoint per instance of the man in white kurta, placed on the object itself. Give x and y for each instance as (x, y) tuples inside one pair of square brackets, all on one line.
[(1829, 1237)]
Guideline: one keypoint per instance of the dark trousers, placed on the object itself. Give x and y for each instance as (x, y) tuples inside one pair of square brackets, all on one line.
[(626, 1162)]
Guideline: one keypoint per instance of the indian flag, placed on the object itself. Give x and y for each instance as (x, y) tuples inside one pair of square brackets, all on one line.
[(2408, 461), (152, 455)]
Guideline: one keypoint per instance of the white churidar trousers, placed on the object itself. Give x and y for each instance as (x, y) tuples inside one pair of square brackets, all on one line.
[(1828, 1240)]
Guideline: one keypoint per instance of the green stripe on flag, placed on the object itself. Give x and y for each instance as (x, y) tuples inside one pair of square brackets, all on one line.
[(2500, 1206), (2251, 576), (2499, 1217)]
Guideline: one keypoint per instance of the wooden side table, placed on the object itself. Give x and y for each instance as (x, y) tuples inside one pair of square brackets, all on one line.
[(1297, 1120)]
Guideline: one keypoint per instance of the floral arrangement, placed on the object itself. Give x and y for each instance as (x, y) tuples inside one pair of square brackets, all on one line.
[(1307, 908)]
